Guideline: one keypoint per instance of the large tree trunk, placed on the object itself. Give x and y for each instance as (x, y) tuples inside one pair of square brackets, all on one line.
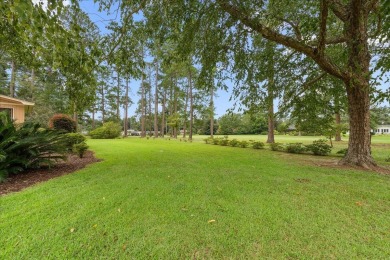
[(357, 87), (359, 148)]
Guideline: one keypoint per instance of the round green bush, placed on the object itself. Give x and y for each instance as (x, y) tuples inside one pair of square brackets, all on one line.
[(276, 146), (319, 147), (257, 145), (296, 148), (109, 130)]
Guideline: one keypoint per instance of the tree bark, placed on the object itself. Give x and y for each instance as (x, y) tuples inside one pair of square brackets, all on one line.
[(357, 87), (270, 93), (185, 112), (126, 107), (143, 113), (175, 106), (163, 113), (75, 117), (212, 111), (118, 99), (271, 135), (93, 117), (191, 106), (102, 103), (338, 130), (156, 103)]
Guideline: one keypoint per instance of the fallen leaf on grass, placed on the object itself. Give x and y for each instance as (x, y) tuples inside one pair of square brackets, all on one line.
[(359, 203), (211, 221), (72, 230), (119, 210)]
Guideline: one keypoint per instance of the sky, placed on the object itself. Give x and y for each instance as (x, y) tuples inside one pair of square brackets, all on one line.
[(102, 19)]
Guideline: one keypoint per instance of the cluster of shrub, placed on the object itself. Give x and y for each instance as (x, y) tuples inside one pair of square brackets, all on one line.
[(318, 147), (30, 145), (109, 130), (224, 141)]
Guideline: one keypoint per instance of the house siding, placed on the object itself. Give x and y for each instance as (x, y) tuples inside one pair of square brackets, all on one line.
[(19, 107), (382, 129)]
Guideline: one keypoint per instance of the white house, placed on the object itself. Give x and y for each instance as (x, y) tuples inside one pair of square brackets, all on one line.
[(382, 129)]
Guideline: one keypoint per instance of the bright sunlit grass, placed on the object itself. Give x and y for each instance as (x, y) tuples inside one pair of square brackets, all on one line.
[(161, 199)]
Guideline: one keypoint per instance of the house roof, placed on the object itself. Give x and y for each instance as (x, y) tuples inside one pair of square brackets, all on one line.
[(15, 101)]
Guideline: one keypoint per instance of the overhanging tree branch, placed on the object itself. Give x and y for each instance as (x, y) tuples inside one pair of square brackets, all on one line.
[(322, 60), (371, 5), (339, 9), (322, 33)]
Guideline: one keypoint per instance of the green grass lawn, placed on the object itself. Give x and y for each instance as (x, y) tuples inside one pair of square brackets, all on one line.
[(160, 199)]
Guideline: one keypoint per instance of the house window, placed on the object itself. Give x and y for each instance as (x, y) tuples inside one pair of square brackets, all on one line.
[(9, 111)]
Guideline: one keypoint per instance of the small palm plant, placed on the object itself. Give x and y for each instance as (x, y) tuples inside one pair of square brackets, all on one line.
[(29, 146)]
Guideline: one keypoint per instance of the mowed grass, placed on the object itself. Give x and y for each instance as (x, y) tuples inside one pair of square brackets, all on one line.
[(380, 143), (160, 199)]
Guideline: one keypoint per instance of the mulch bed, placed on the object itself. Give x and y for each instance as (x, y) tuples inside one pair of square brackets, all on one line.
[(28, 178)]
